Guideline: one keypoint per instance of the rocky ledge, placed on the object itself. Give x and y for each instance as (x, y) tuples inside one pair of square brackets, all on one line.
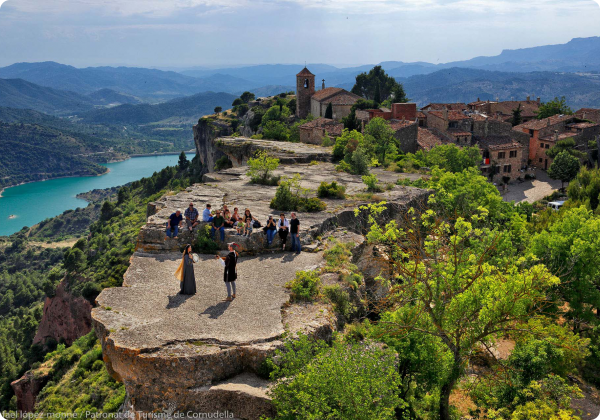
[(201, 354), (233, 188)]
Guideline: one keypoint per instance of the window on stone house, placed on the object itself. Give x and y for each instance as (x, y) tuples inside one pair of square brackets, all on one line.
[(531, 133), (497, 169), (541, 160), (547, 146), (501, 155), (507, 169), (306, 83), (541, 145), (452, 124), (513, 154)]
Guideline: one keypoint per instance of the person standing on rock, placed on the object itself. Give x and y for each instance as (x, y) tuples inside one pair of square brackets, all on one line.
[(295, 233), (185, 273), (284, 229), (230, 272)]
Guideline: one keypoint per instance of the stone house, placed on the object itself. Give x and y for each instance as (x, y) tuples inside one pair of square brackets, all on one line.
[(589, 114), (313, 132), (544, 134), (459, 106), (427, 139), (503, 110), (340, 99), (446, 120), (407, 133), (502, 157)]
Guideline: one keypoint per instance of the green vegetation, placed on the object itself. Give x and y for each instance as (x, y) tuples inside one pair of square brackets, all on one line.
[(291, 196), (333, 190), (378, 85), (261, 167), (585, 188), (564, 167), (305, 286), (372, 183), (557, 106)]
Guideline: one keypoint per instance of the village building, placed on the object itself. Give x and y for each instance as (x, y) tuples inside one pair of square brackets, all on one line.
[(459, 106), (545, 133), (407, 133), (589, 114), (309, 101), (502, 158), (427, 139), (503, 110), (315, 131)]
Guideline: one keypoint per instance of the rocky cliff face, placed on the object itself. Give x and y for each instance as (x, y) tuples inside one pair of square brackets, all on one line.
[(66, 317), (205, 132), (28, 387)]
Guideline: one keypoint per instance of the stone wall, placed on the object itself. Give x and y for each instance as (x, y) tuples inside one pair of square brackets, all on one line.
[(407, 137)]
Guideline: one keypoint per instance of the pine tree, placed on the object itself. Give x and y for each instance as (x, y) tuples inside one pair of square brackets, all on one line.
[(377, 96), (329, 111), (183, 161), (516, 116)]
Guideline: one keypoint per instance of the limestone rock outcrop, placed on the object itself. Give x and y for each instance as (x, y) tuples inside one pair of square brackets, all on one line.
[(66, 317), (28, 387)]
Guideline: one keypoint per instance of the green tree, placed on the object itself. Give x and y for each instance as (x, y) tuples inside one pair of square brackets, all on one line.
[(558, 106), (367, 83), (377, 94), (329, 111), (261, 167), (183, 163), (379, 133), (346, 382), (237, 102), (74, 260), (564, 167), (585, 188), (247, 97), (453, 158), (516, 116), (568, 145), (570, 248), (218, 110), (276, 113), (458, 284), (276, 130)]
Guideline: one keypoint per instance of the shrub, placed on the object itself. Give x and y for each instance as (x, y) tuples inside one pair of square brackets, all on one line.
[(295, 355), (305, 286), (223, 163), (372, 183), (333, 190), (261, 167), (360, 162), (276, 130), (284, 199), (350, 381), (91, 290), (340, 299), (338, 257), (311, 205), (204, 243), (291, 196)]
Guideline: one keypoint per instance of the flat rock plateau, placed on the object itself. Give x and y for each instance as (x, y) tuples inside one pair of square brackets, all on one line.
[(201, 354)]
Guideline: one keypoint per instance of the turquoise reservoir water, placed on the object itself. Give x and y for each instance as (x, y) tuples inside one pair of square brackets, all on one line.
[(34, 202)]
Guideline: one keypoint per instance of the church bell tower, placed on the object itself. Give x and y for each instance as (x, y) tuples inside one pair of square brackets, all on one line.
[(305, 89)]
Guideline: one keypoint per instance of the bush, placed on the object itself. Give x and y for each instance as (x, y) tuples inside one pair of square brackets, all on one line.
[(305, 287), (340, 299), (204, 243), (372, 183), (333, 190), (261, 167), (276, 130), (91, 290), (290, 196), (311, 205), (223, 163), (356, 381)]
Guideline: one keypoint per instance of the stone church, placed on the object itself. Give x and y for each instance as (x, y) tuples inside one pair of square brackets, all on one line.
[(309, 101)]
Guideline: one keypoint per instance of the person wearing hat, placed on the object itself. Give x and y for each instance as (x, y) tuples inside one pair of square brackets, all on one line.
[(230, 272), (174, 224)]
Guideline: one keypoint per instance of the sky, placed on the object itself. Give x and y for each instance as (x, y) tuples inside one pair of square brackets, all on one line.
[(210, 33)]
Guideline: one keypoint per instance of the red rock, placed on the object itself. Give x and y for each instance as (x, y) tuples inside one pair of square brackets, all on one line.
[(66, 317), (27, 389)]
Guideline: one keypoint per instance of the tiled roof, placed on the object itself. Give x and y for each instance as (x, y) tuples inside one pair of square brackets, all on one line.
[(541, 124), (438, 107), (498, 143), (326, 93), (305, 72), (421, 115), (583, 125), (342, 98), (452, 115), (528, 108), (459, 132), (478, 117), (591, 114), (427, 140), (332, 127), (561, 136), (399, 124)]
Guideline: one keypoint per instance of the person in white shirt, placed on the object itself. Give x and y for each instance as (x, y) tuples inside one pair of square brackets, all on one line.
[(284, 229)]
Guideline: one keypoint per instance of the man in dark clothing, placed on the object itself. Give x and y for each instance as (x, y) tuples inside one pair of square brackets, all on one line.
[(218, 223), (295, 233), (174, 224)]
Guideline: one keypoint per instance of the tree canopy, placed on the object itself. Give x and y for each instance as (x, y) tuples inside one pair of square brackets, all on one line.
[(376, 84), (557, 106)]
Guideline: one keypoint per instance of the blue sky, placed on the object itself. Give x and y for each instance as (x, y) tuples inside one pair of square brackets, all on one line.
[(184, 33)]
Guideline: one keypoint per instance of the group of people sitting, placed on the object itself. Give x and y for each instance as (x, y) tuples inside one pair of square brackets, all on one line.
[(222, 219)]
